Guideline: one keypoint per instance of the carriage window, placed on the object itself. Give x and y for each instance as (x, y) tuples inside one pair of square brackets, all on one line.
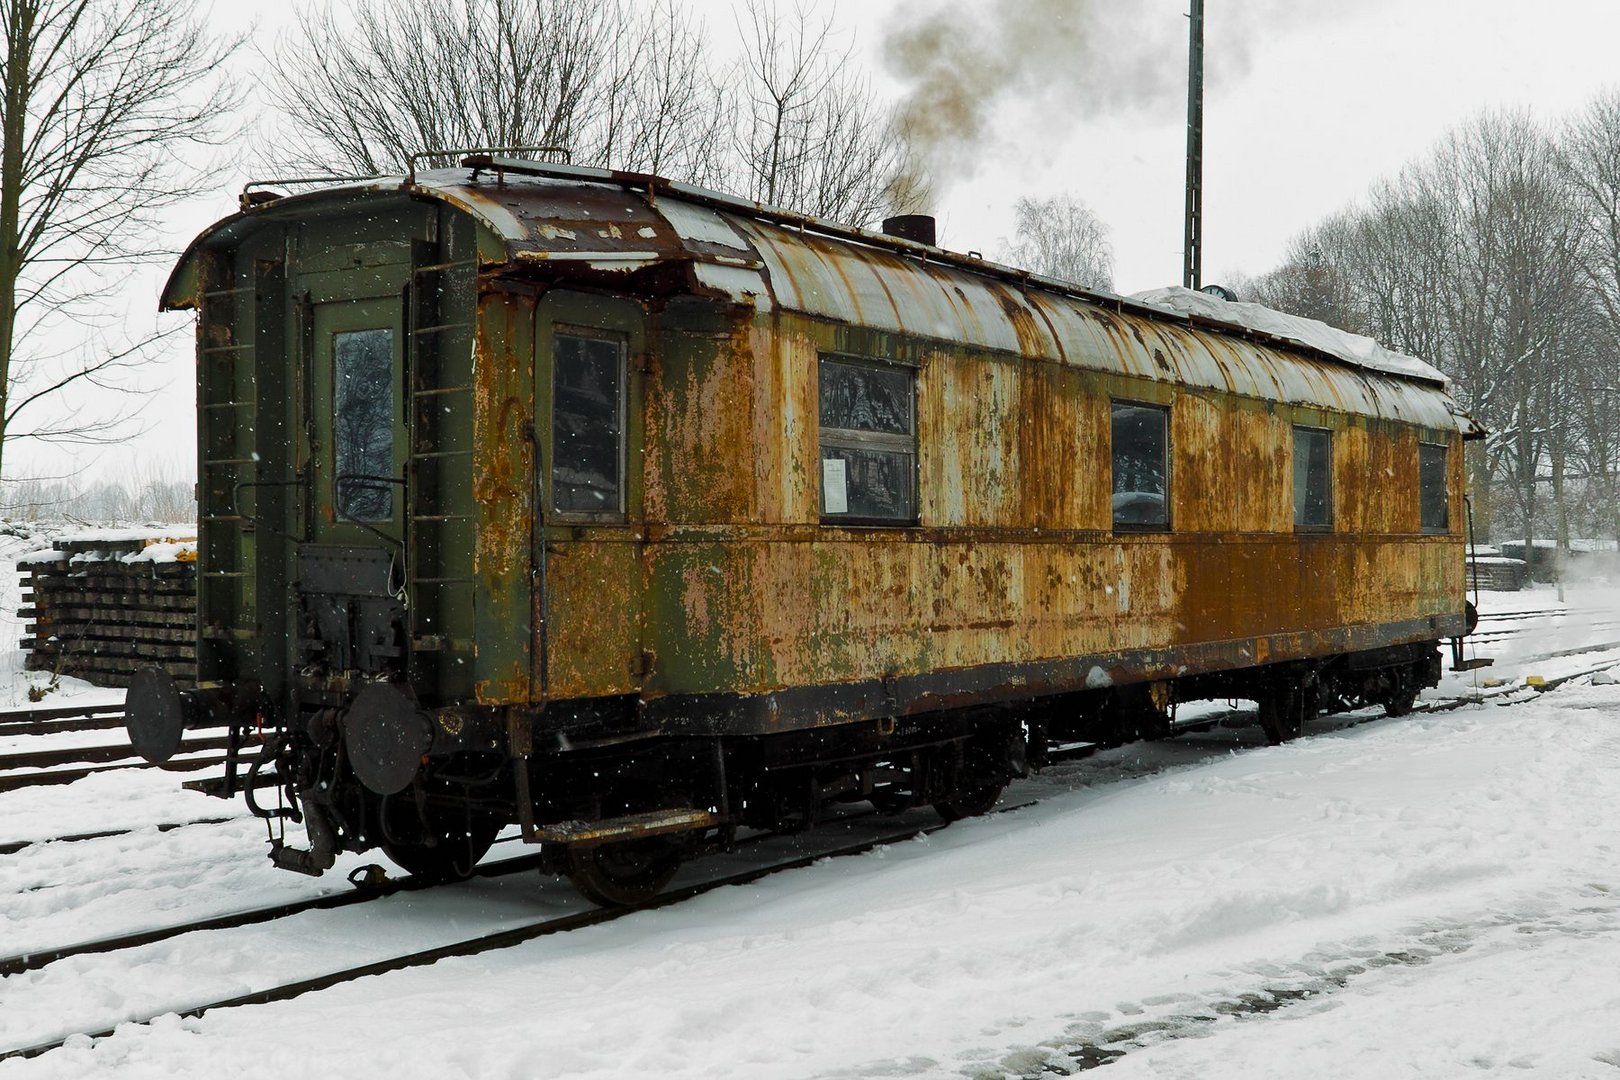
[(868, 441), (363, 423), (1141, 487), (1432, 487), (1313, 478), (587, 426)]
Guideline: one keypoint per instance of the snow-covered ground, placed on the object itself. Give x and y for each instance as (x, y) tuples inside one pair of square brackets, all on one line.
[(1433, 896)]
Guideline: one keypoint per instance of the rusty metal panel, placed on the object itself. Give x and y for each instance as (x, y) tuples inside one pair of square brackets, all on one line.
[(970, 416), (773, 600), (786, 465), (594, 626), (502, 500), (702, 408)]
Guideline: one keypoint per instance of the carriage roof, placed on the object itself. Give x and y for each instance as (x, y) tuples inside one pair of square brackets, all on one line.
[(560, 219)]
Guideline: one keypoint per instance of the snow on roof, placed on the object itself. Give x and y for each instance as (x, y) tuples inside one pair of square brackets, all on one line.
[(1353, 349)]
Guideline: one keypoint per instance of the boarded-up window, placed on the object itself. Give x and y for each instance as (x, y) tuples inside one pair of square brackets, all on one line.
[(868, 441), (1313, 478), (1433, 507), (587, 425), (363, 423), (1141, 440)]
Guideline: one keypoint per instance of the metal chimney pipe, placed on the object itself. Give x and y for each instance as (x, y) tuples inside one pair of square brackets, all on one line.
[(917, 227)]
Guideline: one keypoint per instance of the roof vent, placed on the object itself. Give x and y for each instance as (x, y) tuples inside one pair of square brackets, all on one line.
[(918, 228)]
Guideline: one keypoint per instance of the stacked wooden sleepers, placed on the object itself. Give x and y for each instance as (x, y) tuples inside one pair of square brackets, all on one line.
[(100, 606)]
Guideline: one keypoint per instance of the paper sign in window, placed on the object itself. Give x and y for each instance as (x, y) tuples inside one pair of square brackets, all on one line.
[(834, 491)]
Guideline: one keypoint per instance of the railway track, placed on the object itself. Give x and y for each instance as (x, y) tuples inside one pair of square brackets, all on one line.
[(469, 946), (511, 936), (38, 770), (38, 958), (65, 764), (1517, 616), (50, 721), (12, 847)]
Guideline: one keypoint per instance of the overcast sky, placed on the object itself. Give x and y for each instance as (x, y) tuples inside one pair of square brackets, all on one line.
[(1307, 103)]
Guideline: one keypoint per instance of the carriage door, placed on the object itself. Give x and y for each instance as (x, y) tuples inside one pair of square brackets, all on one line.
[(352, 573), (588, 625)]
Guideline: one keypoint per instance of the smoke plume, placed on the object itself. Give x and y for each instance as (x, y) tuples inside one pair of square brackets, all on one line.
[(967, 66)]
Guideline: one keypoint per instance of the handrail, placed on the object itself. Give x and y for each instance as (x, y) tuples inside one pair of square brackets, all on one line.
[(410, 162)]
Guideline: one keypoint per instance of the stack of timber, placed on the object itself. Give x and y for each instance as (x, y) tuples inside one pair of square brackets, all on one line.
[(1489, 569), (101, 606)]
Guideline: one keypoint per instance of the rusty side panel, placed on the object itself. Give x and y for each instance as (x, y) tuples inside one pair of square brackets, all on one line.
[(594, 640), (702, 408), (970, 410), (502, 498), (786, 469), (751, 615), (1373, 462), (1056, 484), (1014, 559)]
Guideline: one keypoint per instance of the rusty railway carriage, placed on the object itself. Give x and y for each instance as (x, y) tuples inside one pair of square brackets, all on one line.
[(634, 515)]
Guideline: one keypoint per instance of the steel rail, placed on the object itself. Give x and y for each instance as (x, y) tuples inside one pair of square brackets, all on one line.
[(12, 847), (94, 755), (11, 781), (38, 958), (70, 712)]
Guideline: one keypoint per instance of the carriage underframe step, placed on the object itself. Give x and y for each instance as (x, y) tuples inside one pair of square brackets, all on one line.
[(627, 827)]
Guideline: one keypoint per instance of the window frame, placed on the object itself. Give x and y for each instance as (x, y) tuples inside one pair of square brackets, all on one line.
[(1168, 525), (1444, 527), (621, 342), (1312, 526), (858, 439)]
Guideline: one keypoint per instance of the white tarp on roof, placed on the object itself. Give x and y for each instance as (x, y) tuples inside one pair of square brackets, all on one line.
[(1352, 348)]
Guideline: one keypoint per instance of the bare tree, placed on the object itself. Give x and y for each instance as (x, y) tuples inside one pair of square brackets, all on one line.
[(812, 136), (1314, 282), (1474, 258), (663, 111), (104, 100), (610, 81), (1591, 158), (1061, 237)]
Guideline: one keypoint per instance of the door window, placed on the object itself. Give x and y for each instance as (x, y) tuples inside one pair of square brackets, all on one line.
[(363, 423), (587, 426)]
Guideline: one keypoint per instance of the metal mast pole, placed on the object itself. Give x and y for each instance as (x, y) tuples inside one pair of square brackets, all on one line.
[(1192, 267)]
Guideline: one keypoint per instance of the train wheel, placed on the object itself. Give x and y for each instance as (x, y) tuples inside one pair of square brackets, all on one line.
[(624, 874), (971, 800), (1401, 701), (980, 779), (1285, 708), (451, 856)]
